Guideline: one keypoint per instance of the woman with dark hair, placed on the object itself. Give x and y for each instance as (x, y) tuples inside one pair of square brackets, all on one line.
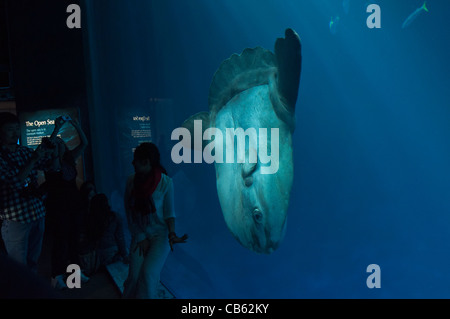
[(151, 218)]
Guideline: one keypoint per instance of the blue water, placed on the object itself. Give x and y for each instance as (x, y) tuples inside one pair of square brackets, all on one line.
[(371, 146)]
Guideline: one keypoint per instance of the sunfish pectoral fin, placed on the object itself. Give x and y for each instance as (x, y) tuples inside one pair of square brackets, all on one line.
[(191, 125)]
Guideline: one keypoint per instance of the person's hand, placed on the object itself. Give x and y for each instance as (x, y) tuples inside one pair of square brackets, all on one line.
[(74, 122), (59, 122), (174, 239), (143, 247)]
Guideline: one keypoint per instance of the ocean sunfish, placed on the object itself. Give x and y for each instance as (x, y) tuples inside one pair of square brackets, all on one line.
[(256, 89), (413, 16)]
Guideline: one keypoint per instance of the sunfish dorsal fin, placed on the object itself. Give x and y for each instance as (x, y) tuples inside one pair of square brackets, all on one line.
[(289, 60)]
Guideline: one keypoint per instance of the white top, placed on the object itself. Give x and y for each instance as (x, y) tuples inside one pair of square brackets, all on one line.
[(154, 224)]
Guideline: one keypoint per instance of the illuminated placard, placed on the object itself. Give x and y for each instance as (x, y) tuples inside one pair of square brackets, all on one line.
[(140, 129), (36, 125)]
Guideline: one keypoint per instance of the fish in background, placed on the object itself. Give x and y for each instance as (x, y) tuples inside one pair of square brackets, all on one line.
[(334, 24), (413, 16)]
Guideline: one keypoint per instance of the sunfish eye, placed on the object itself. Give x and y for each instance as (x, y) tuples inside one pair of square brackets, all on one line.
[(257, 216)]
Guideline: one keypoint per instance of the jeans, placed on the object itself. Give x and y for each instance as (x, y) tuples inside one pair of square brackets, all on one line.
[(144, 272), (23, 241)]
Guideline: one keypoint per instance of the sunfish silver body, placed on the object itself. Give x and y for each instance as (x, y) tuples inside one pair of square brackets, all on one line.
[(256, 89)]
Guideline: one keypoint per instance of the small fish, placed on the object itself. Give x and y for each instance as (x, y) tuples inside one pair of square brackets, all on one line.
[(334, 23), (413, 16), (346, 6)]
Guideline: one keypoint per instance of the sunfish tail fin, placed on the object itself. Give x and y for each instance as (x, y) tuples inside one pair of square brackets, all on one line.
[(425, 7)]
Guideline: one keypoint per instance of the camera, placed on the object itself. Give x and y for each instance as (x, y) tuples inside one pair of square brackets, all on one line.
[(47, 143)]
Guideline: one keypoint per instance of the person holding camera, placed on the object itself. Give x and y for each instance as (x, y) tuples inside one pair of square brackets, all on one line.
[(22, 210), (61, 202)]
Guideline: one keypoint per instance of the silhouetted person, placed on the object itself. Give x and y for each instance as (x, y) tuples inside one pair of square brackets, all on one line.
[(105, 233), (21, 206), (87, 191), (63, 219)]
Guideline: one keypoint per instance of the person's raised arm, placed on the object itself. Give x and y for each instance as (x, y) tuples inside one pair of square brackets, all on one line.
[(10, 178), (59, 122), (77, 151)]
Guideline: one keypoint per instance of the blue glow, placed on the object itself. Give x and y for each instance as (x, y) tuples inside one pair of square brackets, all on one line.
[(371, 149)]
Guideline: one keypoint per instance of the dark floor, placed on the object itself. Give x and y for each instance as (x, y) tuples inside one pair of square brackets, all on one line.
[(104, 284), (100, 286)]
